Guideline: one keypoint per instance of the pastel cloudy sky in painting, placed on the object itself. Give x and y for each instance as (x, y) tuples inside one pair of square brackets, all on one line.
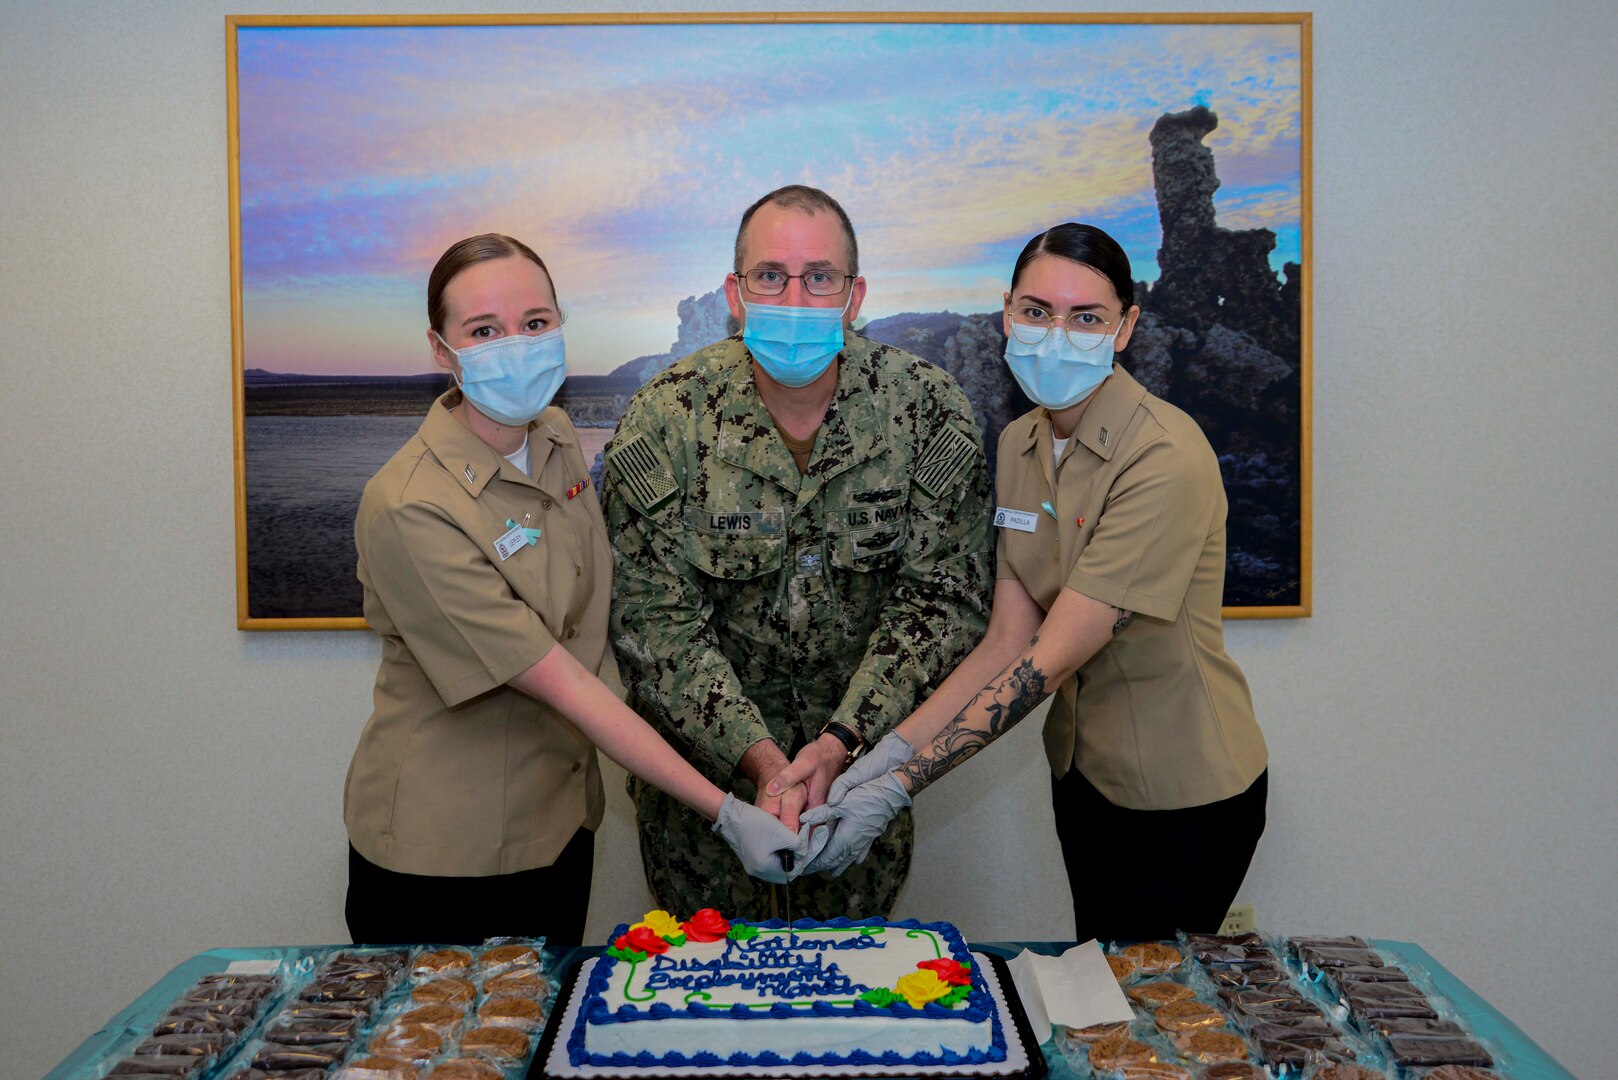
[(625, 155)]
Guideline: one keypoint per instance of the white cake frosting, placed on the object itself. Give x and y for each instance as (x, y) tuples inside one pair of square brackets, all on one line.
[(770, 995)]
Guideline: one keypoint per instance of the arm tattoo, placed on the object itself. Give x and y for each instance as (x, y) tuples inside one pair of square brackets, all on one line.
[(1000, 705)]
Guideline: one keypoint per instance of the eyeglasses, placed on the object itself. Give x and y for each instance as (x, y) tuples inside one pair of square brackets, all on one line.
[(1085, 329), (766, 282)]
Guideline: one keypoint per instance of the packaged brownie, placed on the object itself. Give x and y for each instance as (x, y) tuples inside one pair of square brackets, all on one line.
[(206, 1024), (242, 1009), (1345, 1070), (1456, 1072), (1413, 1025), (1364, 973), (259, 1074), (209, 1046), (358, 1013), (1373, 1001), (182, 1067), (344, 988), (278, 1058), (291, 1030), (1234, 1070), (1409, 1051), (1314, 956)]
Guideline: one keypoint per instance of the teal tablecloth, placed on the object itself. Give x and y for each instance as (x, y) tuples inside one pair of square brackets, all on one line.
[(1522, 1058)]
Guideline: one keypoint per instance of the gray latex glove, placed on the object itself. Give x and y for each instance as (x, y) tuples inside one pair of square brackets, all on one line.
[(758, 839), (861, 817), (890, 752)]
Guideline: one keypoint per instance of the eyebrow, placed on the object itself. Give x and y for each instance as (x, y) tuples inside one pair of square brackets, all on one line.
[(1050, 306), (490, 317), (776, 264)]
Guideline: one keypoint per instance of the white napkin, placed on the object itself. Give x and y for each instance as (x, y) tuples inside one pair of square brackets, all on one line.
[(1075, 989)]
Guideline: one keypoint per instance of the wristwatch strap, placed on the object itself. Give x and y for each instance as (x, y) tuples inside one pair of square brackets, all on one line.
[(846, 735)]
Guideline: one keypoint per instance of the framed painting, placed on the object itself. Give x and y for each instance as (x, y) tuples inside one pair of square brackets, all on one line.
[(624, 148)]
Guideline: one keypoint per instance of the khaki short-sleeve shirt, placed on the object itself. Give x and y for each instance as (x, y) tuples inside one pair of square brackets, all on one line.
[(457, 774), (1133, 515)]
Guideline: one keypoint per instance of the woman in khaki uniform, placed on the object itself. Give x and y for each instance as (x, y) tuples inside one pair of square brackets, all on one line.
[(473, 795), (1111, 529)]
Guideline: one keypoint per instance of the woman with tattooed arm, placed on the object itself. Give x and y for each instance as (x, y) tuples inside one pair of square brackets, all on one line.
[(1111, 548)]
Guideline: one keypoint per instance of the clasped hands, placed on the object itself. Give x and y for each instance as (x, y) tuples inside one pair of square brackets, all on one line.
[(815, 816)]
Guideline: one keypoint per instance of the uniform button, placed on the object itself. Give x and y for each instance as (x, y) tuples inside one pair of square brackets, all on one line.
[(546, 504), (577, 766), (572, 632), (578, 571)]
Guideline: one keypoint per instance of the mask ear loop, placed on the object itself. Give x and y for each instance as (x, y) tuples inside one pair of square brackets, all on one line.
[(454, 372)]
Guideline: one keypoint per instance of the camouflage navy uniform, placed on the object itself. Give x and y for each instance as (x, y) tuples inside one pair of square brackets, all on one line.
[(752, 602)]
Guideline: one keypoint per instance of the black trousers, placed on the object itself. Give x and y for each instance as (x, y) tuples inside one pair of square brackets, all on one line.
[(388, 908), (1140, 875)]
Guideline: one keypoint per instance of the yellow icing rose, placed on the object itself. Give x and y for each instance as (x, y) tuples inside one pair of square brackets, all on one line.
[(660, 923), (920, 987)]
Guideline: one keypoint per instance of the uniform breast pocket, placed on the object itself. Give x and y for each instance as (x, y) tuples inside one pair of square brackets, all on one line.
[(734, 546), (866, 537)]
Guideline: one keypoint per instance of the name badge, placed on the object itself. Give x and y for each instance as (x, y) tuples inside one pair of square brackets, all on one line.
[(510, 542), (1021, 520)]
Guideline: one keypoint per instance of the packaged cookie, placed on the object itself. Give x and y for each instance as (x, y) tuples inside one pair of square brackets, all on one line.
[(1123, 968), (495, 1043), (1344, 1070), (1233, 1070), (1211, 1046), (527, 981), (445, 990), (379, 1068), (1458, 1072), (466, 1068), (412, 1042), (1095, 1032), (1188, 1015), (1155, 1070), (432, 963), (1153, 957), (513, 1011), (500, 955), (447, 1020), (1158, 992)]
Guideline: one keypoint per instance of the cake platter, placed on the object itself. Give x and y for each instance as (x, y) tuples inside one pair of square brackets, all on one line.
[(1024, 1060)]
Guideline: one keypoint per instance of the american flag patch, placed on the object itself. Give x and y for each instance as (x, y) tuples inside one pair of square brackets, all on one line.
[(646, 479), (576, 488), (943, 461)]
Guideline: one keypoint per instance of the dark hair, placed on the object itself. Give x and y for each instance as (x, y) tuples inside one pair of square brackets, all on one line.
[(1084, 244), (469, 252), (810, 201)]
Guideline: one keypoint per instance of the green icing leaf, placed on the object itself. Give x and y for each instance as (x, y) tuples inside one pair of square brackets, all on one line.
[(676, 941), (955, 997), (628, 956), (881, 997), (742, 932)]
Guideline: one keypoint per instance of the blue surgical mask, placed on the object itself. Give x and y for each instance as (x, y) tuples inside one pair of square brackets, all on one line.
[(1054, 372), (511, 379), (794, 345)]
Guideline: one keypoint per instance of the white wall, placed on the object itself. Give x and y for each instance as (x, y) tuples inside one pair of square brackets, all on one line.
[(1442, 729)]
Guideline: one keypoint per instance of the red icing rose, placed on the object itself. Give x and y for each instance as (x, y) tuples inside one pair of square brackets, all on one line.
[(950, 971), (643, 939), (707, 925)]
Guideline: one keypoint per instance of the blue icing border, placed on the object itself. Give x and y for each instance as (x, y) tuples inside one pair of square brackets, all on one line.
[(979, 1007)]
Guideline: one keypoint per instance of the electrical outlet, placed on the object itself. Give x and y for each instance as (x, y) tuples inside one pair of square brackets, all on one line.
[(1239, 920)]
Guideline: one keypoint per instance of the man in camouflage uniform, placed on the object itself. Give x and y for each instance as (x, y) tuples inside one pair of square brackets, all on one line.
[(796, 566)]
